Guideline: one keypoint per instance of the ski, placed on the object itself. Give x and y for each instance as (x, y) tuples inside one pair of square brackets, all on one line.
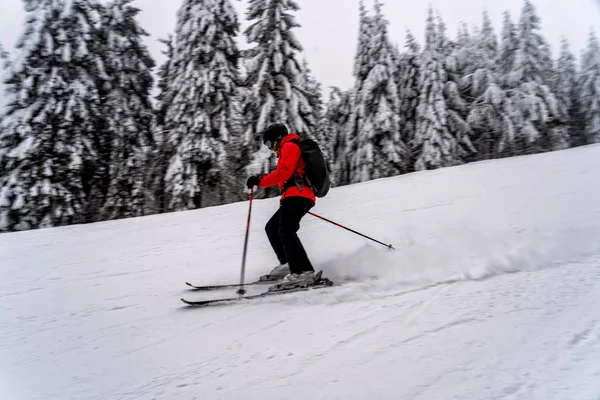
[(263, 279), (319, 284)]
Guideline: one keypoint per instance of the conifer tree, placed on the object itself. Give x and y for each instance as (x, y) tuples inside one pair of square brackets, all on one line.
[(379, 150), (165, 78), (201, 113), (539, 122), (313, 90), (433, 143), (508, 48), (566, 76), (338, 116), (457, 107), (490, 111), (589, 90), (127, 109), (52, 123), (362, 59), (565, 82), (346, 144), (488, 43), (408, 77), (162, 150), (336, 121)]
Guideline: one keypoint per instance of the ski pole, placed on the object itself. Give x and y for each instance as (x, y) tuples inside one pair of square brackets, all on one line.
[(241, 291), (389, 246)]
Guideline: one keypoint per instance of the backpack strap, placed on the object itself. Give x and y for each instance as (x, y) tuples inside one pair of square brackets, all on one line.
[(295, 180)]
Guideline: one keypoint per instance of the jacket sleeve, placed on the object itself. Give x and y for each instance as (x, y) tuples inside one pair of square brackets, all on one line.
[(290, 156)]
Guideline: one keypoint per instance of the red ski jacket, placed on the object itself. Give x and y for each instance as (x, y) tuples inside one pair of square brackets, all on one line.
[(289, 163)]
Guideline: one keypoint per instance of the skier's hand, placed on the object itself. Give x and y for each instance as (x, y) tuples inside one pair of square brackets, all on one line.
[(252, 181)]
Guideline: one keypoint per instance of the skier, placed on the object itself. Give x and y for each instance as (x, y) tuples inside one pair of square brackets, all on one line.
[(296, 200)]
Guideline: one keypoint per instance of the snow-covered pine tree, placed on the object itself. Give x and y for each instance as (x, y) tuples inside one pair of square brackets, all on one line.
[(565, 76), (323, 136), (488, 43), (200, 115), (162, 150), (378, 147), (508, 48), (345, 143), (362, 60), (547, 66), (165, 78), (463, 36), (490, 111), (565, 82), (454, 88), (476, 51), (433, 143), (51, 124), (539, 122), (127, 108), (335, 122), (313, 92), (408, 81), (445, 45), (589, 90), (338, 114)]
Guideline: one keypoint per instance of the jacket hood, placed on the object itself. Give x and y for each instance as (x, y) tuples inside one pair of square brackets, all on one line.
[(288, 137)]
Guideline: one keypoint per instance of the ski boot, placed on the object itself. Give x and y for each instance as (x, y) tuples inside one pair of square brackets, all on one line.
[(301, 280), (277, 273)]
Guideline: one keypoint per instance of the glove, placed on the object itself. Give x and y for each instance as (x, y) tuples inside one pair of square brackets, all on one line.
[(252, 181)]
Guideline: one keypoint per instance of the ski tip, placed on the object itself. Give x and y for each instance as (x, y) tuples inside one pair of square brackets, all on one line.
[(191, 304)]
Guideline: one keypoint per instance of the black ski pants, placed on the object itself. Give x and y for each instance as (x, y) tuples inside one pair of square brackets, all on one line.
[(281, 231)]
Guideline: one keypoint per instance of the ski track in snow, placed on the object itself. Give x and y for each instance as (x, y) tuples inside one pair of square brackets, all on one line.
[(491, 293)]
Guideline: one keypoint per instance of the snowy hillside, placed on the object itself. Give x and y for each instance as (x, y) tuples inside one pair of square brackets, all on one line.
[(493, 292)]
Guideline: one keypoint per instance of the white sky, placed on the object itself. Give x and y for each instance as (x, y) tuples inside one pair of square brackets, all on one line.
[(329, 27)]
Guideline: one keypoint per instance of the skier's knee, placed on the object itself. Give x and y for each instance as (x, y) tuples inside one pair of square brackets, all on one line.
[(270, 228), (286, 234), (288, 229)]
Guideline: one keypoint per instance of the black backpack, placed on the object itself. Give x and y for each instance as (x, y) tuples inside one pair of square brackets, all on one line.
[(316, 173)]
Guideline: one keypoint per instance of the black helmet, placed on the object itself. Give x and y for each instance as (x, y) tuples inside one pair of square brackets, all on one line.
[(273, 134)]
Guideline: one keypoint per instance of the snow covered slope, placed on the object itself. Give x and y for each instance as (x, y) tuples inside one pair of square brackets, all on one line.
[(493, 292)]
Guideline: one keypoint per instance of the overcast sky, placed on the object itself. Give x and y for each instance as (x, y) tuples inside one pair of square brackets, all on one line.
[(329, 27)]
